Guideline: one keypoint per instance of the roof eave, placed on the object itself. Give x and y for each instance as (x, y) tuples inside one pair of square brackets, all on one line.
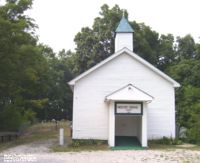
[(71, 83), (124, 32), (138, 58), (107, 100), (177, 85)]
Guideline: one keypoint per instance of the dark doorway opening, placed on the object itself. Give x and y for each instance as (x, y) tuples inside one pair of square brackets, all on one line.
[(128, 132)]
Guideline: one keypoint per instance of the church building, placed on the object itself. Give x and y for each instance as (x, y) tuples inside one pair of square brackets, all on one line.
[(123, 97)]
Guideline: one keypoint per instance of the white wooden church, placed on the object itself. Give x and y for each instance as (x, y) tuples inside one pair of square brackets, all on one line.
[(123, 96)]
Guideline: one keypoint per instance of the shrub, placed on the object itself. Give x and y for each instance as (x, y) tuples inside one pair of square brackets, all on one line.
[(193, 134), (10, 119), (166, 141), (177, 141), (13, 118)]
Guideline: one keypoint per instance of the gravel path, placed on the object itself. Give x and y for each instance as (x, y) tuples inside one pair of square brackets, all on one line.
[(39, 152), (36, 147), (127, 156)]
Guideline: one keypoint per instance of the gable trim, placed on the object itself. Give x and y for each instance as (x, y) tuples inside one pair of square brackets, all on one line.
[(135, 56), (125, 87), (118, 95)]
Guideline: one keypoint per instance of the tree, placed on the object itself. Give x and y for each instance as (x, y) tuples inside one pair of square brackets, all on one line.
[(187, 105), (186, 47), (33, 81), (22, 65), (166, 51), (146, 43), (59, 104), (96, 44)]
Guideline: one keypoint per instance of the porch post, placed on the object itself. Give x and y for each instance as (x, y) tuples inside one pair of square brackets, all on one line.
[(111, 136), (144, 125)]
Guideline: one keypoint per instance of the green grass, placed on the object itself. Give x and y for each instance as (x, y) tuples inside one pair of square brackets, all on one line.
[(81, 145), (58, 148), (37, 132)]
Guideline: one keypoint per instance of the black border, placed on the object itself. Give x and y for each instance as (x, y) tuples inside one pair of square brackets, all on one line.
[(118, 102)]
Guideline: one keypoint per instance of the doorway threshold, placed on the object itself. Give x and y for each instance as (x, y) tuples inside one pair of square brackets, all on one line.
[(127, 143)]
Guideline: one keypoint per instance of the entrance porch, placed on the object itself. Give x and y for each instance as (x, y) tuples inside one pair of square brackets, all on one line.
[(128, 117)]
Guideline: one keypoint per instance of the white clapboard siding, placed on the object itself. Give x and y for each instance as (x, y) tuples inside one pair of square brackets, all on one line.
[(124, 40), (90, 111)]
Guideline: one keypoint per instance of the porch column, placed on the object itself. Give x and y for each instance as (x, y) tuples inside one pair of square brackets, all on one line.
[(144, 126), (111, 132)]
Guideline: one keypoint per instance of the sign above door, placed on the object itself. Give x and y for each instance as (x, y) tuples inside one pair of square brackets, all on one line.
[(128, 108)]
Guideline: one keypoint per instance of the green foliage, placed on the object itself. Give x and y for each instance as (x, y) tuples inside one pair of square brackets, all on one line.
[(193, 131), (29, 116), (19, 63), (59, 104), (10, 119), (166, 51), (188, 97), (166, 141), (186, 47), (96, 44), (32, 80), (146, 42)]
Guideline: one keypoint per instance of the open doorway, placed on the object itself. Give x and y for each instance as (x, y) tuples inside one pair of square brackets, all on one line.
[(128, 130)]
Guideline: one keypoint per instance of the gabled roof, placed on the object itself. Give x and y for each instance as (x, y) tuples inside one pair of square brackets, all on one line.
[(129, 93), (136, 57), (124, 26)]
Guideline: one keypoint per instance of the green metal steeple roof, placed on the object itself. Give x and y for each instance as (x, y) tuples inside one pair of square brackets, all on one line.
[(124, 26)]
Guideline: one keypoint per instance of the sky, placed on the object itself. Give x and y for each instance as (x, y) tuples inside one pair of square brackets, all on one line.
[(60, 20)]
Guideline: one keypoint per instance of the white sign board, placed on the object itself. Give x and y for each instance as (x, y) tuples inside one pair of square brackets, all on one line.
[(128, 108)]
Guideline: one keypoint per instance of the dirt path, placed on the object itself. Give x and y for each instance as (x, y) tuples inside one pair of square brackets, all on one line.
[(39, 152)]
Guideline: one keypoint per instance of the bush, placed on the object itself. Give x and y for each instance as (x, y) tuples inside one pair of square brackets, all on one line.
[(167, 141), (13, 118), (193, 134), (10, 119), (177, 142)]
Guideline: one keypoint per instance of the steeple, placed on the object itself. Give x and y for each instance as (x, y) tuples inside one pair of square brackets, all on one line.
[(124, 35)]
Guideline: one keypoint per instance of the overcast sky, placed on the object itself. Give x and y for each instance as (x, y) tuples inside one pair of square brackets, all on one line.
[(60, 20)]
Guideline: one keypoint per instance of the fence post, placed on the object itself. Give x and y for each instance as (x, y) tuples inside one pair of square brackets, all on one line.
[(61, 136)]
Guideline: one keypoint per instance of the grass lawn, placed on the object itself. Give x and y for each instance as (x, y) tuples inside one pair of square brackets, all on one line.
[(58, 148)]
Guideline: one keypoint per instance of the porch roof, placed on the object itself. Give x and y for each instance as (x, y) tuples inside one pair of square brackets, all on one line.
[(129, 93)]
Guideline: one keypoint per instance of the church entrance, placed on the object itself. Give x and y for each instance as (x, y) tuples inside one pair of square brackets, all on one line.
[(127, 111), (128, 124), (128, 131)]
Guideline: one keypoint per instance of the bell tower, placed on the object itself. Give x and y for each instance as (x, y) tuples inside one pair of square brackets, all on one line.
[(124, 35)]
